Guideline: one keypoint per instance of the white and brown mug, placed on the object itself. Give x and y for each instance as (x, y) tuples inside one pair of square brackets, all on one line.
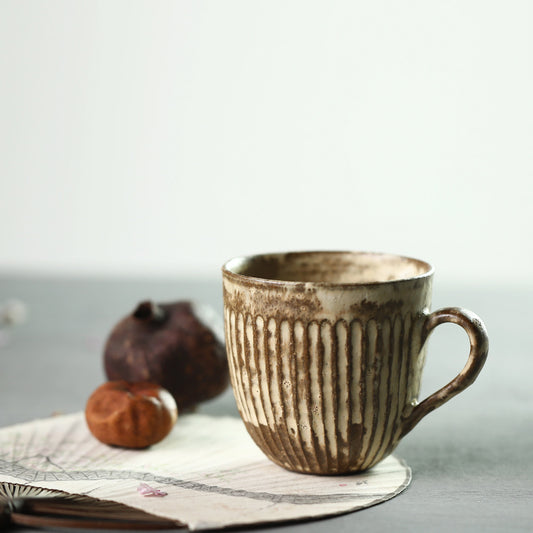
[(326, 351)]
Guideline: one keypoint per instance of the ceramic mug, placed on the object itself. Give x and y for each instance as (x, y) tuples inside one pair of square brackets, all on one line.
[(326, 351)]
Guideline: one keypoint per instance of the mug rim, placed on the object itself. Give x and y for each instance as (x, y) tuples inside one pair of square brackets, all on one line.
[(239, 260)]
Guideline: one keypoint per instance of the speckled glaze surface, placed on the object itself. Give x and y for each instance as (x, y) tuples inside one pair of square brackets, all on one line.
[(326, 351)]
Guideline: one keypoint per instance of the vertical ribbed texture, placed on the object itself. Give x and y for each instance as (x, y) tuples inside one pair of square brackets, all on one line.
[(321, 397)]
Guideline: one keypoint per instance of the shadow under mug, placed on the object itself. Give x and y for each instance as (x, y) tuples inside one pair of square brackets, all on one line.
[(326, 351)]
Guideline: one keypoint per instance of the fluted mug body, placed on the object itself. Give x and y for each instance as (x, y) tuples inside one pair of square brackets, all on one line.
[(326, 351)]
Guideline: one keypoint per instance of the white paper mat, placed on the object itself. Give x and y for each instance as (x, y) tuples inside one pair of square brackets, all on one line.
[(211, 470)]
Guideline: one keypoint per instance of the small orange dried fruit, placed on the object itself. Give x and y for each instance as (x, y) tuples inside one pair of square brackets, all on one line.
[(132, 415)]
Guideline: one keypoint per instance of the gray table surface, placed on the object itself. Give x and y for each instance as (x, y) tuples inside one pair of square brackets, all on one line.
[(472, 459)]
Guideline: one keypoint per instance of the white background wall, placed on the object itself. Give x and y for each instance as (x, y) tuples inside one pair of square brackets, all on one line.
[(157, 137)]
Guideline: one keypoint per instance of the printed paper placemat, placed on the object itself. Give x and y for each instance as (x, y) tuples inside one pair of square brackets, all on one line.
[(211, 472)]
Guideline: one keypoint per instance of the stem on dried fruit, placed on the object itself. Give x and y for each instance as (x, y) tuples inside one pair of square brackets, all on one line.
[(148, 311)]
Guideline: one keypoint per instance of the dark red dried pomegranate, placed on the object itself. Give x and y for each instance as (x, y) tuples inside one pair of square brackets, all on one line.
[(172, 345)]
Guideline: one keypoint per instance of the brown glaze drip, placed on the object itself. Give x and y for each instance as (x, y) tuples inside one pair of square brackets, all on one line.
[(297, 410)]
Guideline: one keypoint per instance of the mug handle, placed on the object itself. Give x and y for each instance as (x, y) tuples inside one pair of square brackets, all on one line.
[(479, 347)]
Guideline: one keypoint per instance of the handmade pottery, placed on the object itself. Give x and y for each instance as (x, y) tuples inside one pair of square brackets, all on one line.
[(326, 351)]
